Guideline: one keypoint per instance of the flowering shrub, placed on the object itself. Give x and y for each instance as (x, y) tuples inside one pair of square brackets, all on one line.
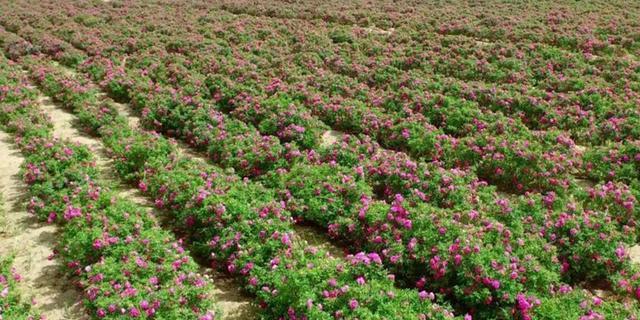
[(239, 225), (431, 247), (325, 287), (614, 162)]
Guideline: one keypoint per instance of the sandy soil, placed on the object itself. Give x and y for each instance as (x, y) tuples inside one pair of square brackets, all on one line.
[(580, 149), (375, 30), (634, 253), (125, 111), (185, 150), (233, 302), (330, 137), (64, 124), (32, 243), (65, 128), (585, 183), (510, 195), (482, 43)]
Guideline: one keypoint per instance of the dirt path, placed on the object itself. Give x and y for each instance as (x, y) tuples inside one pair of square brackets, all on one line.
[(32, 243), (330, 137), (234, 303), (125, 111), (64, 124)]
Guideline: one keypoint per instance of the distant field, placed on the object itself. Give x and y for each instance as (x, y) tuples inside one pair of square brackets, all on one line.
[(320, 159)]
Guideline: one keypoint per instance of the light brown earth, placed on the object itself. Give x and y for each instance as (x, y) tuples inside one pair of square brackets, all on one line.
[(580, 149), (64, 125), (124, 111), (634, 253), (234, 304), (379, 31), (330, 137)]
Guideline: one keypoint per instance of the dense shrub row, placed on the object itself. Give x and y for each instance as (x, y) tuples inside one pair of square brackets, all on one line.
[(239, 225), (348, 201), (446, 128), (615, 162), (467, 103), (357, 217)]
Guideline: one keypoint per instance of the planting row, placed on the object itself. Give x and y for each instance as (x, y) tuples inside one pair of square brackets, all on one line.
[(596, 26), (405, 233), (420, 63), (239, 225), (338, 206), (180, 68), (615, 162), (350, 200), (500, 150), (229, 88), (354, 51)]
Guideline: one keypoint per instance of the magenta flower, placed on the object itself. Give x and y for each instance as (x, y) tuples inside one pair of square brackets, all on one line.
[(71, 213), (208, 316), (143, 186), (134, 312), (426, 295)]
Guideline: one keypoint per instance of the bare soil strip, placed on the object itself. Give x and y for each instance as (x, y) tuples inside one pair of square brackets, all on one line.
[(64, 124), (235, 305), (32, 244), (331, 137)]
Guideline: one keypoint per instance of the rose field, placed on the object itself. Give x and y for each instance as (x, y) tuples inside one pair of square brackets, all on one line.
[(302, 160)]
